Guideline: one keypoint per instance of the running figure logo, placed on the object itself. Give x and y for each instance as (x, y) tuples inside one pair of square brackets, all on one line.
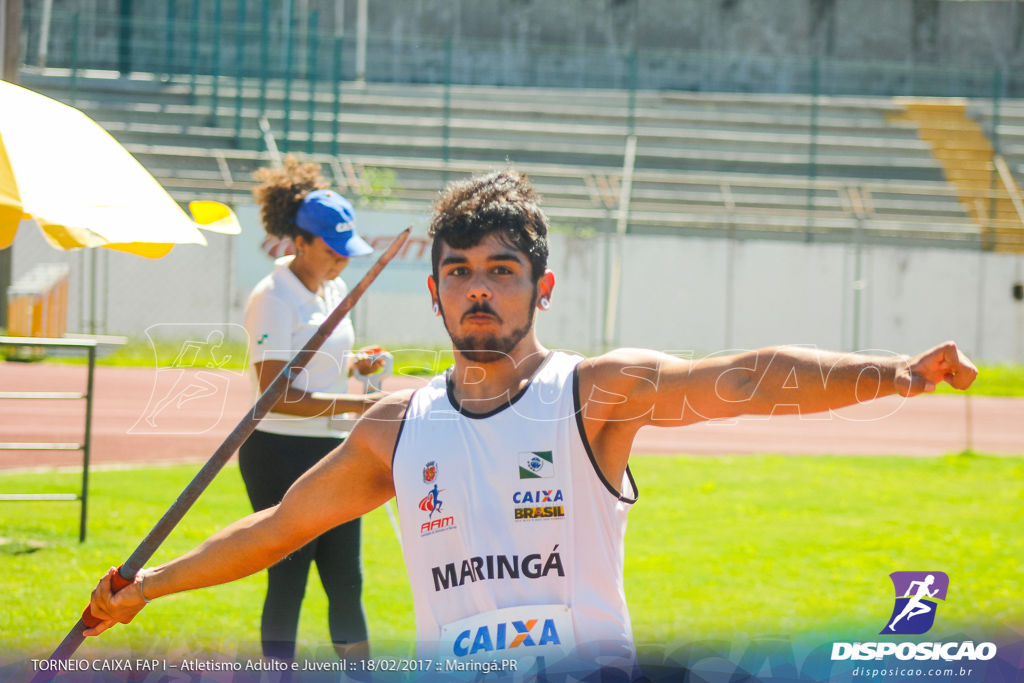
[(431, 503), (190, 395), (193, 387), (916, 592)]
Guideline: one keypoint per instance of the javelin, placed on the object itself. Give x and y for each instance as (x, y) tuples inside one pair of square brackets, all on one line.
[(126, 573)]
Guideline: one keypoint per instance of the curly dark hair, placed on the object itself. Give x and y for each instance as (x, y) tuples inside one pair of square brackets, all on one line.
[(281, 193), (503, 202)]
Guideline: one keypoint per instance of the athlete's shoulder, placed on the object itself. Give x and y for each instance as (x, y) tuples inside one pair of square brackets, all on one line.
[(607, 383), (621, 366), (390, 408), (378, 429)]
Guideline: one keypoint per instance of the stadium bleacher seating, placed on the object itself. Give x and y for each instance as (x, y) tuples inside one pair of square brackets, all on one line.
[(706, 164)]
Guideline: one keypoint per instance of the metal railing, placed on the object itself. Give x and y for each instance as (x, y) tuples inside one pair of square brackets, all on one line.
[(738, 204), (89, 346)]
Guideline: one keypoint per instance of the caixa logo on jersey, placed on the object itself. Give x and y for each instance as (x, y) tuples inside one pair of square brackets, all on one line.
[(506, 636), (539, 504)]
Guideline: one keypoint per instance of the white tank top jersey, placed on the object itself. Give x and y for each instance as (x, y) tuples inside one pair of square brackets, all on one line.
[(513, 539)]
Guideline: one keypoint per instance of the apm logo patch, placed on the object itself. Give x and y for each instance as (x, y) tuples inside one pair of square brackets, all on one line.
[(431, 504), (916, 595)]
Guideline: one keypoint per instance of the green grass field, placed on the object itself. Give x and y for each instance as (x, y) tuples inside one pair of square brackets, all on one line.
[(717, 547)]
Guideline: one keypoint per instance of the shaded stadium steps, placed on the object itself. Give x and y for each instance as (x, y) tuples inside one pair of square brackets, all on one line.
[(706, 164), (582, 198), (716, 133), (984, 183)]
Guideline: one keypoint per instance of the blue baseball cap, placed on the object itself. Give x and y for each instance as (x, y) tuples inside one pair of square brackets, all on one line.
[(329, 216)]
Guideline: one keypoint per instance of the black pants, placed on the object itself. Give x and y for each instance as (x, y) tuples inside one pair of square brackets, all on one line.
[(270, 463)]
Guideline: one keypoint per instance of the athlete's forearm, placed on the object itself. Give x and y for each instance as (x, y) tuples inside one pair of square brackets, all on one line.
[(300, 403), (792, 379), (243, 548), (320, 404)]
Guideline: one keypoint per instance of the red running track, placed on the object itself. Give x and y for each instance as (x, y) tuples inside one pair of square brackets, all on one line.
[(216, 400)]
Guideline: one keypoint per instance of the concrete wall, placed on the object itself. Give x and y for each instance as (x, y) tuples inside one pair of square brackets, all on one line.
[(979, 31), (720, 39), (982, 32), (677, 293), (705, 295)]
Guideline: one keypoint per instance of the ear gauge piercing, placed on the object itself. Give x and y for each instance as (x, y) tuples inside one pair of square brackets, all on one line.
[(545, 304), (437, 309), (298, 252)]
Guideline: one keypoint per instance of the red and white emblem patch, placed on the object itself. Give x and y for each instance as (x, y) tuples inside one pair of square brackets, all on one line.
[(429, 472)]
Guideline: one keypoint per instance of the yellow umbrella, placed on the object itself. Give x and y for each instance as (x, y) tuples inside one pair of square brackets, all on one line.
[(82, 188)]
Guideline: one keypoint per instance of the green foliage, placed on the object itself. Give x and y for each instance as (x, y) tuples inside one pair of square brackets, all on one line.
[(379, 189), (727, 547)]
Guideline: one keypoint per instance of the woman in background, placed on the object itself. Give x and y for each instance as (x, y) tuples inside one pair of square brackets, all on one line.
[(283, 312)]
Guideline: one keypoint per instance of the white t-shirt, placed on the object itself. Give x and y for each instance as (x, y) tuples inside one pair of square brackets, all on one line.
[(280, 317), (513, 538)]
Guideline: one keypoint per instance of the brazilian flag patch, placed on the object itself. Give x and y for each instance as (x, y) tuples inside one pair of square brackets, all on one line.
[(536, 465)]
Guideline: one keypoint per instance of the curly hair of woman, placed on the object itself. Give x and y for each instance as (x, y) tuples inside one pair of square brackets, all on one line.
[(281, 193)]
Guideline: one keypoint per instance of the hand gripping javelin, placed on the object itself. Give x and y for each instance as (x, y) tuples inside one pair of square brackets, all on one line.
[(126, 573)]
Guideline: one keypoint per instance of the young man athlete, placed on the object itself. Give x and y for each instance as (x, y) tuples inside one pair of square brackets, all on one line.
[(530, 448)]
